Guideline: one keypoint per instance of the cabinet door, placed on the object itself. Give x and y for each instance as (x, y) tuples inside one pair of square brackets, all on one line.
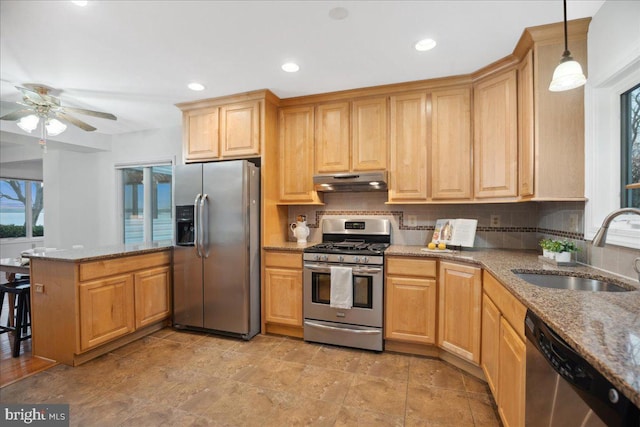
[(511, 379), (460, 297), (332, 138), (283, 296), (152, 297), (490, 341), (200, 134), (369, 135), (408, 180), (296, 155), (496, 137), (525, 127), (451, 162), (106, 310), (240, 129), (410, 312)]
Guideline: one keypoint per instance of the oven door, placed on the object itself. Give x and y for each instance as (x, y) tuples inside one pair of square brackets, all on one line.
[(367, 295)]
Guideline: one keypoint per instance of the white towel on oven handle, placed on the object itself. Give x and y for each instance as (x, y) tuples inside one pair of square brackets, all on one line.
[(341, 287)]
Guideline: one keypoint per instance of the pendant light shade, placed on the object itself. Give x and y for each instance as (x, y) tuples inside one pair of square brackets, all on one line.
[(55, 127), (28, 123), (568, 74)]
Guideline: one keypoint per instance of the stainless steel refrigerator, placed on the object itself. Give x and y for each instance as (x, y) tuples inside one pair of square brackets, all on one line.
[(216, 261)]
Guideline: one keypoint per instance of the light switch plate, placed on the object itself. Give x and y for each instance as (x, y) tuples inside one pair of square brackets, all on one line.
[(412, 220), (39, 287), (495, 221)]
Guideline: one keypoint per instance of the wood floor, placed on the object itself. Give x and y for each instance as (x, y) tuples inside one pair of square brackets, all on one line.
[(13, 369)]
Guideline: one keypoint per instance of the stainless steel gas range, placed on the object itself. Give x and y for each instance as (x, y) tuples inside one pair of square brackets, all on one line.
[(343, 283)]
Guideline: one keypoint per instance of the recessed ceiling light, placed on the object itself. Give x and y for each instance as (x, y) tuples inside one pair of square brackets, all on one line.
[(426, 44), (81, 3), (195, 86), (338, 13), (290, 67)]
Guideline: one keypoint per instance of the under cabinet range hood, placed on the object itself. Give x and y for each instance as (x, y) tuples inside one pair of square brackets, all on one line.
[(363, 181)]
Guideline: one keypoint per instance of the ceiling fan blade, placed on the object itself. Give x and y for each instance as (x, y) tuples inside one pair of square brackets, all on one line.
[(74, 121), (37, 97), (17, 115), (89, 112)]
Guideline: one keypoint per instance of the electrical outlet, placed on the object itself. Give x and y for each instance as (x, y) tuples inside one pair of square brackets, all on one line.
[(412, 221), (495, 221), (573, 223)]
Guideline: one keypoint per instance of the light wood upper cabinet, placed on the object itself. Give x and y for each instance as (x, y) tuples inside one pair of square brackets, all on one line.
[(332, 153), (410, 300), (460, 300), (525, 127), (408, 148), (496, 136), (201, 139), (283, 288), (296, 155), (106, 310), (240, 129), (369, 134), (450, 158)]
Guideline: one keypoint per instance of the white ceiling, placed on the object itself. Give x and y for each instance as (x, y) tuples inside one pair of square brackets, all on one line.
[(135, 58)]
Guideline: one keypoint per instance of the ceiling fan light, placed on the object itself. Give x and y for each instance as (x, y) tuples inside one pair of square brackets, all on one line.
[(28, 123), (55, 127), (567, 75)]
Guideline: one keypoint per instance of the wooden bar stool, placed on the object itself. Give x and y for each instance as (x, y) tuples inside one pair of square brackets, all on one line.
[(22, 315)]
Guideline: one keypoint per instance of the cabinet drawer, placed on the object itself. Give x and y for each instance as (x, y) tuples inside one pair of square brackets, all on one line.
[(411, 267), (109, 267), (283, 259), (512, 309)]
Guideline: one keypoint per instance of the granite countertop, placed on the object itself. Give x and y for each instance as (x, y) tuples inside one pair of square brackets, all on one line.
[(290, 246), (604, 327), (100, 253)]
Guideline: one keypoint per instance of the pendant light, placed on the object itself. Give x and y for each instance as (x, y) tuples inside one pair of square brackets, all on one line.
[(568, 74)]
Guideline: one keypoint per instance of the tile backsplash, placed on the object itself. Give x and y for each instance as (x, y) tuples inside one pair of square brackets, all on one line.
[(500, 225)]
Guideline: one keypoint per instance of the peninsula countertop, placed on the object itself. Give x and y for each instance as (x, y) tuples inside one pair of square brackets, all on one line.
[(604, 327), (101, 253)]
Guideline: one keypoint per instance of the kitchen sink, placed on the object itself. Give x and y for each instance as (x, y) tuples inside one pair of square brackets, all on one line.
[(557, 281)]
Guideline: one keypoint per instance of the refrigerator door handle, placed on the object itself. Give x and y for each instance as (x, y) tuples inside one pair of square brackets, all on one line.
[(196, 224), (204, 226)]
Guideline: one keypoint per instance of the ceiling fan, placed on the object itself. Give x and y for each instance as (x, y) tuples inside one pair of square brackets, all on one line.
[(40, 105)]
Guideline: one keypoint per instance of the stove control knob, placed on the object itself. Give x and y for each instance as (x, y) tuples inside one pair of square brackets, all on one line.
[(316, 257), (340, 258), (325, 257), (356, 259), (365, 260)]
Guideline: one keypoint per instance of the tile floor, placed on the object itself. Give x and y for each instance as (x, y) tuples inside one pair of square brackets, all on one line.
[(188, 379)]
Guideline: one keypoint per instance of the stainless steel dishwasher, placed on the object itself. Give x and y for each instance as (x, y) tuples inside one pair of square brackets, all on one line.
[(564, 390)]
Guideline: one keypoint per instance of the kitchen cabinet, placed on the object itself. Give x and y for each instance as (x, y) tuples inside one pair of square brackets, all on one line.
[(240, 129), (495, 141), (460, 302), (408, 148), (450, 157), (526, 149), (410, 300), (296, 155), (369, 134), (81, 310), (332, 153), (283, 292), (201, 139), (504, 350)]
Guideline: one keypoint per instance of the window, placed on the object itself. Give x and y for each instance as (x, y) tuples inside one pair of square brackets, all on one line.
[(147, 203), (630, 137), (21, 208)]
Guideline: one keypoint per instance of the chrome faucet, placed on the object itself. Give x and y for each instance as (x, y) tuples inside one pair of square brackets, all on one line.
[(601, 236)]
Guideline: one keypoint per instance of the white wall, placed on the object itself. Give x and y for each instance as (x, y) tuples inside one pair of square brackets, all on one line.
[(614, 67)]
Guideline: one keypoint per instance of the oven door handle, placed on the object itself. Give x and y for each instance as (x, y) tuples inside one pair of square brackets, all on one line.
[(355, 270), (333, 328)]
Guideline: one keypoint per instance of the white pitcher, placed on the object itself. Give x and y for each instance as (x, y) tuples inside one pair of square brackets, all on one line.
[(300, 231)]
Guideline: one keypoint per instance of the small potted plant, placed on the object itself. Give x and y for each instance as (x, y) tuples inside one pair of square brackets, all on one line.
[(564, 250), (547, 245)]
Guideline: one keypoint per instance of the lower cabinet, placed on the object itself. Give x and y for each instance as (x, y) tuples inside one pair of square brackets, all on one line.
[(410, 300), (504, 350), (460, 300), (84, 309), (283, 293)]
